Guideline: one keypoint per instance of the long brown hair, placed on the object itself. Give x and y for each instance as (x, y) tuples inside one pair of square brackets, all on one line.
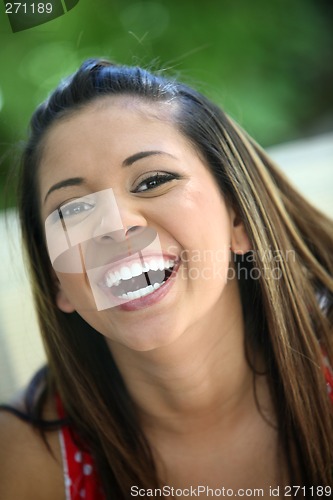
[(289, 320)]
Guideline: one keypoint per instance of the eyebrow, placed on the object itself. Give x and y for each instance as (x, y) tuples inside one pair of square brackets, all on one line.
[(73, 181), (143, 154), (78, 181)]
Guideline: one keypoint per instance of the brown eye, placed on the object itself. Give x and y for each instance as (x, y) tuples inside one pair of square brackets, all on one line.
[(155, 181)]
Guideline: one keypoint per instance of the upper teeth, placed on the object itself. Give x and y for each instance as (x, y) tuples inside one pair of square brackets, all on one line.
[(137, 268)]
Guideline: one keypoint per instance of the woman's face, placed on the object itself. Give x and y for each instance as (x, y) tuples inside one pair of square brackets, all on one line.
[(124, 161)]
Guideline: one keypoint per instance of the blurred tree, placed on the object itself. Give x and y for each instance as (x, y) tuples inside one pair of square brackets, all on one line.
[(269, 64)]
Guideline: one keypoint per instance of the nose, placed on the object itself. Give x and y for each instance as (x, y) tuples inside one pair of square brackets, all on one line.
[(128, 224), (119, 235), (126, 241)]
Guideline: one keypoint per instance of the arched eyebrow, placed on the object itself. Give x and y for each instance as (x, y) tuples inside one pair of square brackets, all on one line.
[(143, 154), (73, 181)]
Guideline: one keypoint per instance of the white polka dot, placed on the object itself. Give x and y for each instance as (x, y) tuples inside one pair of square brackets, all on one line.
[(87, 469), (83, 493), (78, 456), (68, 481)]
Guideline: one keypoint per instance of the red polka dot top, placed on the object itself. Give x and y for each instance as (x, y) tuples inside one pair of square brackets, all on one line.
[(329, 377), (80, 474)]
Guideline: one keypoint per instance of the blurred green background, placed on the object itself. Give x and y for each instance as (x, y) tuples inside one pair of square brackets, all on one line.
[(268, 63)]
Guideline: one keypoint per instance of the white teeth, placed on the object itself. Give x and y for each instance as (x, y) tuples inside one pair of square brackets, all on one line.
[(112, 279), (153, 264), (147, 290), (136, 269), (141, 293), (125, 273)]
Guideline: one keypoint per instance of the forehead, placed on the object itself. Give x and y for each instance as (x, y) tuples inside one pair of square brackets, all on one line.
[(110, 114), (109, 121), (117, 126)]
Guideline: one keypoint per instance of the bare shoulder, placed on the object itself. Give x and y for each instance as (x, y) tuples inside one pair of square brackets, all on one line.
[(28, 470)]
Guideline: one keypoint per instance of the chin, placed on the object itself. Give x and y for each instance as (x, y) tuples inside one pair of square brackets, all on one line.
[(142, 339)]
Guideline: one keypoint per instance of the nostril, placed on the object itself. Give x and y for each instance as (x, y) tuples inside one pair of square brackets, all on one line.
[(111, 236), (120, 235), (132, 229), (106, 237)]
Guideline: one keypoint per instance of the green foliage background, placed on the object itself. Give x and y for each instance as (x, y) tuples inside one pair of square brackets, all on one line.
[(268, 63)]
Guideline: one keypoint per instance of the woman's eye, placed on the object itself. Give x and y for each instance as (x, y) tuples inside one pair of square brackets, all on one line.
[(154, 181), (75, 209)]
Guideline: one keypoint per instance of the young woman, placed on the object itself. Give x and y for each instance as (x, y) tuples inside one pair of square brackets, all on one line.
[(184, 295)]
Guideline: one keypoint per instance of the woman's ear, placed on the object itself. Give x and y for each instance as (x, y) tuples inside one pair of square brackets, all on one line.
[(240, 242), (63, 303)]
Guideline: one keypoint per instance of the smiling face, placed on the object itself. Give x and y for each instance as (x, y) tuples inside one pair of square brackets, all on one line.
[(164, 223)]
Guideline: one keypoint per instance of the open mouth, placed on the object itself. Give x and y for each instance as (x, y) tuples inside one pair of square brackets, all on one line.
[(139, 278)]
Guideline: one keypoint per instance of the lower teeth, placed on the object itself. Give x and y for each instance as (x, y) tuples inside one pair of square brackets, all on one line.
[(142, 292)]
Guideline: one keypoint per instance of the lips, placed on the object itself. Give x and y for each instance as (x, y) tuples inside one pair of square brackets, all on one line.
[(136, 279)]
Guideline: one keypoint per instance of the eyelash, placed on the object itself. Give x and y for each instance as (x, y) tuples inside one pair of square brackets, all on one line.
[(159, 178), (74, 205)]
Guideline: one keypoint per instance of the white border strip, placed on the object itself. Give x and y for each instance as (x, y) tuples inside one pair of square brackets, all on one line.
[(67, 479)]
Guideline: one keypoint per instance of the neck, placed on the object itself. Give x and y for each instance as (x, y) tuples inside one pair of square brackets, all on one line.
[(201, 378)]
